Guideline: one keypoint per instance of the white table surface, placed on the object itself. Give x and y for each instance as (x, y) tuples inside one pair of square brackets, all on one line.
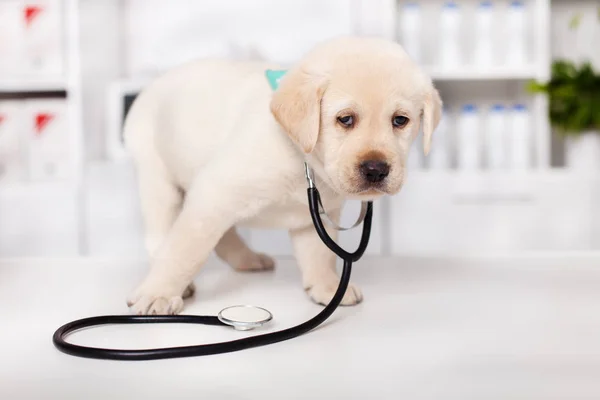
[(501, 328)]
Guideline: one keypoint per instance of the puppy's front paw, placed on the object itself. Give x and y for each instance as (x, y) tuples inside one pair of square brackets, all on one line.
[(322, 293), (146, 301)]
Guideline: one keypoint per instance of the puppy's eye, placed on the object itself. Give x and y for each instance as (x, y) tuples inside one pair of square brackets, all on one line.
[(399, 121), (346, 121)]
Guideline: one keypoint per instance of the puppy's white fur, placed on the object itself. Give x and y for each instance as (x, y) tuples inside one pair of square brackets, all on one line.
[(216, 148)]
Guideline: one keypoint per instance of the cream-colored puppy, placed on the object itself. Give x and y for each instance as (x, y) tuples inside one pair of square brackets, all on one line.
[(215, 147)]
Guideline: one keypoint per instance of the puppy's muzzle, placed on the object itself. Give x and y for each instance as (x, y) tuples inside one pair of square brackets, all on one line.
[(374, 171)]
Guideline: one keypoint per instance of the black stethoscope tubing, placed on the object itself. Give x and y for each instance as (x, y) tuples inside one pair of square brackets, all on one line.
[(59, 337)]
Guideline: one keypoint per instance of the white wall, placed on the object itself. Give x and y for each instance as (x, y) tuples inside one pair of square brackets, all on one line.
[(580, 44), (161, 34)]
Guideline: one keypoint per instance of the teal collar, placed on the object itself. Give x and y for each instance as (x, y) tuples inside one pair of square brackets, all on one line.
[(274, 76)]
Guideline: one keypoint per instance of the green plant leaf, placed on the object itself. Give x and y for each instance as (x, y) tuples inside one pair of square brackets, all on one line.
[(536, 87), (596, 116), (574, 97), (562, 69)]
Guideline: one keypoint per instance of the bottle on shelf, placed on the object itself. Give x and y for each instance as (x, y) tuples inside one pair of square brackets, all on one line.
[(495, 141), (520, 138), (410, 25), (48, 139), (42, 37), (484, 43), (439, 157), (450, 35), (468, 139), (516, 34)]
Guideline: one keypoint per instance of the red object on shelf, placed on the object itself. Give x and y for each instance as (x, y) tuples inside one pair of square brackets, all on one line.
[(31, 12), (41, 120)]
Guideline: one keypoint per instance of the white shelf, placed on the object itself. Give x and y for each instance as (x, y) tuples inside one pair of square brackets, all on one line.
[(34, 187), (32, 85), (474, 73)]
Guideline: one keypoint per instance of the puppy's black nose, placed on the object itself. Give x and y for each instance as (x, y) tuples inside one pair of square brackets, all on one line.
[(374, 170)]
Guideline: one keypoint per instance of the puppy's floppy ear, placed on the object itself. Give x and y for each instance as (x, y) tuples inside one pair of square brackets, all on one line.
[(432, 113), (296, 105)]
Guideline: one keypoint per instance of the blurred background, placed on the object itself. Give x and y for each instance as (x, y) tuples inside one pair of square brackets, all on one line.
[(503, 177)]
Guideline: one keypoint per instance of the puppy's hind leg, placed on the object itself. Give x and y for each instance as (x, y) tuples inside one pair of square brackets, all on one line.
[(232, 249)]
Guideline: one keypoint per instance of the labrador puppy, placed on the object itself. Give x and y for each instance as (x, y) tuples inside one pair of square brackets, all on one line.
[(215, 148)]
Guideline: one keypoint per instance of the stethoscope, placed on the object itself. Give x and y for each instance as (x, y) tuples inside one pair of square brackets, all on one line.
[(241, 317)]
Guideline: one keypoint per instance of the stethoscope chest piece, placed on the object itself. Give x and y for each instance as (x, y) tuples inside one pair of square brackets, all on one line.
[(244, 317)]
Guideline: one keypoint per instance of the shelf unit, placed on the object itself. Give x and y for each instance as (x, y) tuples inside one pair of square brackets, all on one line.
[(65, 198)]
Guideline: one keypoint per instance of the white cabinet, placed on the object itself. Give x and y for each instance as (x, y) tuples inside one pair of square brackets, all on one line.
[(452, 213)]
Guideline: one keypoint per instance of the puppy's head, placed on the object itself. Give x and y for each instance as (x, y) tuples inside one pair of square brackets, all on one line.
[(354, 106)]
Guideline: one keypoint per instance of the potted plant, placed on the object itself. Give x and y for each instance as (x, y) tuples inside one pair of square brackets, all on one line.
[(574, 109)]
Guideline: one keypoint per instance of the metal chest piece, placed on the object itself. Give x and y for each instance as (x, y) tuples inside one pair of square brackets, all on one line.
[(244, 317)]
